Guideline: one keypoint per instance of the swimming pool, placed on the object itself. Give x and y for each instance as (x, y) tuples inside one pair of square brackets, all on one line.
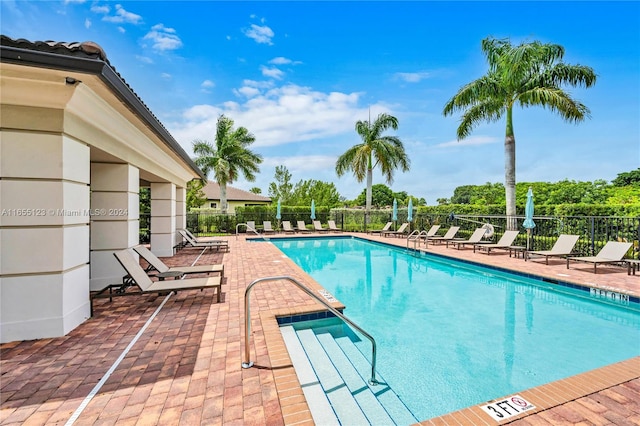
[(451, 335)]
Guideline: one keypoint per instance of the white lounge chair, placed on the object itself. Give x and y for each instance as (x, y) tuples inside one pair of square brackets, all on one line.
[(612, 252), (333, 227), (251, 227), (381, 231), (287, 228), (317, 226), (155, 264), (201, 239), (475, 238), (563, 247), (448, 236), (217, 244), (266, 227), (504, 243), (302, 227), (400, 232)]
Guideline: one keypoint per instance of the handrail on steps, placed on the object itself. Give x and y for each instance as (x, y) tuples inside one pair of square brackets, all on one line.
[(247, 321), (415, 237), (249, 228)]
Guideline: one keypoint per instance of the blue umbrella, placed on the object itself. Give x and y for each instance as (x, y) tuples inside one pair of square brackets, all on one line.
[(395, 210), (410, 210), (313, 210), (278, 215), (528, 214)]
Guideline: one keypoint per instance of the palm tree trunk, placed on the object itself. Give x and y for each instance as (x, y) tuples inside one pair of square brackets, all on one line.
[(369, 195), (510, 171), (223, 197)]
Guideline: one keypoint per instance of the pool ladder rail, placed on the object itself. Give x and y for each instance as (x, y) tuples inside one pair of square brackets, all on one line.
[(416, 236), (247, 363), (249, 228)]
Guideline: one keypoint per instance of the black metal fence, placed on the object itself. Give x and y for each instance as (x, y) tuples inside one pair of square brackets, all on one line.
[(594, 231)]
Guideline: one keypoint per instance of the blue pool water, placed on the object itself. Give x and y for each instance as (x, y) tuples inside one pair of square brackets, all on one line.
[(451, 335)]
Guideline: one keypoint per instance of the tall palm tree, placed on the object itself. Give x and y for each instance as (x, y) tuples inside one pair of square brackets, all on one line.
[(229, 157), (375, 150), (528, 74)]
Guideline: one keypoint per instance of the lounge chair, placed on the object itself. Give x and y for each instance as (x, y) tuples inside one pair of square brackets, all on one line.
[(431, 232), (286, 227), (504, 243), (266, 227), (155, 264), (448, 236), (217, 244), (251, 227), (563, 247), (136, 276), (475, 238), (201, 239), (302, 227), (400, 232), (612, 252), (333, 227), (317, 226), (381, 231)]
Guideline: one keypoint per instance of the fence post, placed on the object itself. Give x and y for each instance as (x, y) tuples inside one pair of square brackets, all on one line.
[(593, 235)]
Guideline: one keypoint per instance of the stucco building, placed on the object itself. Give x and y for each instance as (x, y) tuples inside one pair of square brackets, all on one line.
[(76, 145), (235, 198)]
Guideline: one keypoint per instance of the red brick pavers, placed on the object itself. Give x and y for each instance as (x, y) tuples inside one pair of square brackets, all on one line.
[(186, 366)]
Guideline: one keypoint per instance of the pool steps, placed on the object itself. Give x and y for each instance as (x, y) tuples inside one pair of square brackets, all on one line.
[(330, 369)]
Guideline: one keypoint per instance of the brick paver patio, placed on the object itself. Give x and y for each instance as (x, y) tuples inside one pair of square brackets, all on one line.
[(185, 367)]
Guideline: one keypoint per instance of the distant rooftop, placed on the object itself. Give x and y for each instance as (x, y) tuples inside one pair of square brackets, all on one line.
[(212, 191)]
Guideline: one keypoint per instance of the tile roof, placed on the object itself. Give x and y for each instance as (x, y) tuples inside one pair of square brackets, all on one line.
[(87, 57), (212, 191)]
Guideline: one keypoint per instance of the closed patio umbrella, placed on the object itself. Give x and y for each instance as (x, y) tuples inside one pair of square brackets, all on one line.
[(313, 209), (410, 212), (528, 223), (278, 215), (394, 216)]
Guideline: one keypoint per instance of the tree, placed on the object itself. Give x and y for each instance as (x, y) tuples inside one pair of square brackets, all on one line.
[(381, 195), (282, 188), (255, 190), (229, 157), (627, 178), (195, 195), (323, 193), (528, 74), (375, 150)]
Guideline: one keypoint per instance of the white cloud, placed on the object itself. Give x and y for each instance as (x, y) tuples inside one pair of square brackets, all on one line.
[(123, 17), (470, 141), (122, 30), (166, 76), (302, 163), (87, 23), (280, 60), (272, 72), (144, 59), (262, 35), (412, 77), (163, 38), (74, 1), (276, 115), (208, 84), (100, 9)]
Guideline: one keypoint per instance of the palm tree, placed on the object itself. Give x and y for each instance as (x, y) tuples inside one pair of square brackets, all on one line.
[(375, 150), (228, 157), (528, 74)]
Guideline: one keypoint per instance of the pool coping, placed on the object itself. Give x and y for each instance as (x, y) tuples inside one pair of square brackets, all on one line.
[(543, 397)]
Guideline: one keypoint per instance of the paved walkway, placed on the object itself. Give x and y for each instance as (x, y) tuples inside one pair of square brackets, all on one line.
[(185, 367)]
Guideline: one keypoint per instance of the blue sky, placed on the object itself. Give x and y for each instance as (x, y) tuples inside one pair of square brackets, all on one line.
[(299, 75)]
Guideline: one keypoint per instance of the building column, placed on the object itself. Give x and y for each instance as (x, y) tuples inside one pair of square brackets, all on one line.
[(44, 235), (115, 207), (163, 218), (181, 212)]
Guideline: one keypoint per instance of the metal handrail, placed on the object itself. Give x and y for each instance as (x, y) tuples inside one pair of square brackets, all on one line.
[(249, 228), (415, 237), (247, 321)]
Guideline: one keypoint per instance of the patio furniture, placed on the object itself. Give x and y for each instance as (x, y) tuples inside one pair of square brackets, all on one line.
[(380, 231), (287, 228), (266, 227), (217, 244), (317, 226), (504, 243), (400, 232), (612, 252), (563, 247), (302, 227), (632, 266), (155, 264), (137, 277), (333, 227), (200, 239), (251, 227), (475, 238), (449, 235)]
